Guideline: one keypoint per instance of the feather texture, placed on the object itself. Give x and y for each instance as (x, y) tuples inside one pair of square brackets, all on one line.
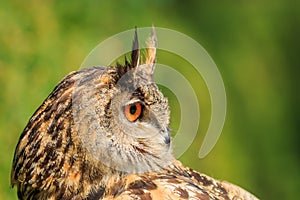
[(79, 144)]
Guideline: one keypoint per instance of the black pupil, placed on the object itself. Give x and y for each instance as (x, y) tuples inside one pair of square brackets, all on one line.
[(132, 109)]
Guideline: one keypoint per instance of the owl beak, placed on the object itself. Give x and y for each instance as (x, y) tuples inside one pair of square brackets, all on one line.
[(167, 137)]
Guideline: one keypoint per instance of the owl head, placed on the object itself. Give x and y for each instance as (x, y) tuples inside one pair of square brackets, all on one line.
[(120, 115)]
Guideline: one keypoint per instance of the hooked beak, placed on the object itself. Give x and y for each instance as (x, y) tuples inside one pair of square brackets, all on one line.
[(166, 136)]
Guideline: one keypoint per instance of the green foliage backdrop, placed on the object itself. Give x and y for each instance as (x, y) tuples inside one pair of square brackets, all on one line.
[(255, 45)]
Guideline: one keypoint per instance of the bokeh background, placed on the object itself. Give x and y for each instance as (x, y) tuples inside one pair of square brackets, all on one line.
[(255, 45)]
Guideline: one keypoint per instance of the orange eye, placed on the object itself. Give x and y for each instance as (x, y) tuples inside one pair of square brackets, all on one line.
[(133, 111)]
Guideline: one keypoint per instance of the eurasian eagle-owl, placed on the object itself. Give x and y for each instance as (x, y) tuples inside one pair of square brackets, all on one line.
[(103, 134)]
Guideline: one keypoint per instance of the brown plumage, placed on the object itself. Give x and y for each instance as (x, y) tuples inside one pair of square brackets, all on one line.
[(103, 134)]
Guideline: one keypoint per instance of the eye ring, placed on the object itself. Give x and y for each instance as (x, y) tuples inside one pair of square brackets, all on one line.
[(133, 111)]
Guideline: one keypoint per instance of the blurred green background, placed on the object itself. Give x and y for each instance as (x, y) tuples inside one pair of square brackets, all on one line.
[(255, 45)]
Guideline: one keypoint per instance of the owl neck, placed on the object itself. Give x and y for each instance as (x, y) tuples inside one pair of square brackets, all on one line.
[(118, 182), (88, 178)]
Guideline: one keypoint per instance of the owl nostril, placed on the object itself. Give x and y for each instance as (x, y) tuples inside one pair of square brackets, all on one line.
[(167, 137)]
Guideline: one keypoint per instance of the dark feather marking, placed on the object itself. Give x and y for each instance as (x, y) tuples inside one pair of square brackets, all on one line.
[(145, 196), (139, 94), (70, 141), (17, 170), (34, 146), (68, 145), (138, 192), (54, 155), (195, 186), (35, 127), (185, 174), (142, 151), (64, 97), (48, 112), (182, 193), (69, 106), (117, 189), (204, 197), (145, 184), (56, 135), (122, 69), (201, 179), (83, 168), (39, 182), (59, 141), (220, 190), (36, 158), (59, 113), (28, 175), (62, 190), (27, 165), (51, 127), (167, 176), (96, 195)]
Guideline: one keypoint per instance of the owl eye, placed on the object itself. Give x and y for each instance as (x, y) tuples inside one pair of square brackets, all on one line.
[(133, 111)]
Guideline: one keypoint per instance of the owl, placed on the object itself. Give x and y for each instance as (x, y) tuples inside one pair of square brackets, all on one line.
[(103, 133)]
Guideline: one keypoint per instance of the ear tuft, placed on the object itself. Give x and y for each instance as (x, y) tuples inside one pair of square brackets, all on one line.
[(151, 50), (135, 53)]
